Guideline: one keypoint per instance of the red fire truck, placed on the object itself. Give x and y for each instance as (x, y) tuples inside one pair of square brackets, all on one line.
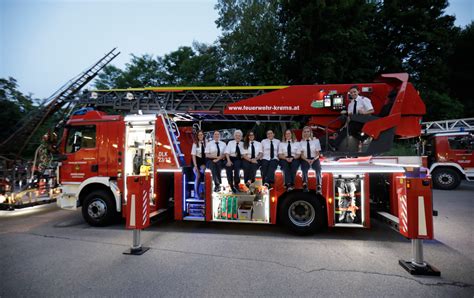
[(103, 156), (449, 145)]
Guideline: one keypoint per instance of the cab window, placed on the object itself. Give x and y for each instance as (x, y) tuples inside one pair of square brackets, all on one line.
[(80, 137), (460, 143)]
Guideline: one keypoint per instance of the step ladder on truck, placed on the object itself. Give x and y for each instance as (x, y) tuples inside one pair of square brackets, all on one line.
[(449, 146), (355, 185)]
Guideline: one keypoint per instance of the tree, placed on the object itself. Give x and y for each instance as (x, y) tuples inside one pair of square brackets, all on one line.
[(415, 36), (14, 105), (461, 76), (109, 78), (197, 65), (327, 41), (251, 42)]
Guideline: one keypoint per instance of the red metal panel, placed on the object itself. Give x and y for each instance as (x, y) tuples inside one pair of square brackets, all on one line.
[(277, 191), (186, 142), (115, 140), (375, 127), (208, 187), (299, 180), (178, 196), (395, 191), (165, 155), (416, 223), (409, 127), (328, 191), (273, 206), (312, 180), (102, 141), (366, 205), (138, 202)]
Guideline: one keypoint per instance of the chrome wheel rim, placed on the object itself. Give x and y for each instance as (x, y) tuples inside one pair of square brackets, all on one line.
[(97, 209), (445, 179), (301, 213)]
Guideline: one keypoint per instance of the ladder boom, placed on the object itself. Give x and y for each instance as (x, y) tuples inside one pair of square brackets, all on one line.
[(26, 128)]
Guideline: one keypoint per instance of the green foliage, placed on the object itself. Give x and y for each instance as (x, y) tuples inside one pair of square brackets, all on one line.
[(14, 105), (191, 66), (402, 148), (441, 106), (251, 42), (461, 64), (415, 36), (327, 41)]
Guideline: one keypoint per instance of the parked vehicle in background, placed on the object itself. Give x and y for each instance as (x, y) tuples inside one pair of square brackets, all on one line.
[(449, 145)]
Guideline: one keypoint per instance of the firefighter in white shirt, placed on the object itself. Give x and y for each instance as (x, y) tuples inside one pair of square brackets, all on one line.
[(359, 105), (215, 154), (233, 153), (310, 148), (269, 158), (289, 153), (199, 161), (252, 155)]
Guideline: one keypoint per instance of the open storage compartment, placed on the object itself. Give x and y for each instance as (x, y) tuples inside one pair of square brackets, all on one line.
[(252, 206)]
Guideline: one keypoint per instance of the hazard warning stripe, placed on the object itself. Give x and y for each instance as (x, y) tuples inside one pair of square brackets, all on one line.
[(144, 206), (404, 214)]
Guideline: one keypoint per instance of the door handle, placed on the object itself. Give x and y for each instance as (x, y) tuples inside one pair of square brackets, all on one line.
[(94, 168)]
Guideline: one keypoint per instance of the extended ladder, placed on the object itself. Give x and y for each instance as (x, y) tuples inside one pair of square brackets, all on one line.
[(183, 103), (24, 130), (454, 125)]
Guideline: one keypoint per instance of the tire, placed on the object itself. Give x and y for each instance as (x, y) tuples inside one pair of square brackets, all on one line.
[(446, 178), (302, 213), (98, 208)]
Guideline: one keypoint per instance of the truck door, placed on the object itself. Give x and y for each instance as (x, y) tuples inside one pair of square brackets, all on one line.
[(461, 151), (81, 153)]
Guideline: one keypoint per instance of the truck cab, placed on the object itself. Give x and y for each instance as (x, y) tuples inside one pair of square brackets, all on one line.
[(451, 158)]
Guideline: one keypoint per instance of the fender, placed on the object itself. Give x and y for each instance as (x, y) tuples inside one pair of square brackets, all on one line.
[(107, 182), (447, 164)]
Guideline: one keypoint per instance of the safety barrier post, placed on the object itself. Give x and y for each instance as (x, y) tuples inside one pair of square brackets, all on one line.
[(416, 222), (137, 211)]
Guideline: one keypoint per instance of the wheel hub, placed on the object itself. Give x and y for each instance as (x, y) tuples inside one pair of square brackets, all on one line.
[(97, 209), (301, 213), (445, 179)]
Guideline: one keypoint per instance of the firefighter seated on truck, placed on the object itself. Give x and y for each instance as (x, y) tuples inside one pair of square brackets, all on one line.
[(252, 155), (199, 161), (215, 154), (233, 153), (310, 148), (269, 158), (289, 153), (359, 105)]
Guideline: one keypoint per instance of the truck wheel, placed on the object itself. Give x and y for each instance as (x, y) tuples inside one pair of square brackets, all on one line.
[(98, 208), (302, 213), (446, 178)]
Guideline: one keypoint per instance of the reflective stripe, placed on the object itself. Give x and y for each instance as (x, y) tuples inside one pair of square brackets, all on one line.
[(132, 211), (421, 217)]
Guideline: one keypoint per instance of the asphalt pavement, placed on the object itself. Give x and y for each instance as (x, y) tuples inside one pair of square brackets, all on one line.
[(50, 252)]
